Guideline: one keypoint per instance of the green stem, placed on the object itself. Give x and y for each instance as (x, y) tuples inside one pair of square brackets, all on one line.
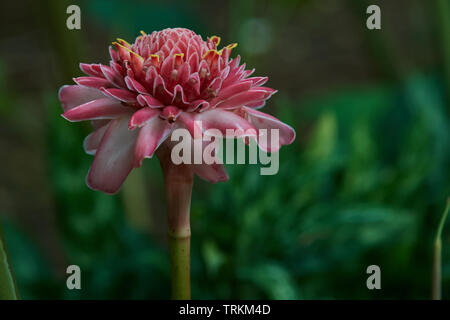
[(178, 184), (8, 289), (179, 250), (437, 273)]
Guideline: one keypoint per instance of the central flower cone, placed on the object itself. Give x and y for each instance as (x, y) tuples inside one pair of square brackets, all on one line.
[(166, 80)]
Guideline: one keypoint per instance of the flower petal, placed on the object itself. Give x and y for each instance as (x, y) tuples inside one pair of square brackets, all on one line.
[(211, 172), (114, 157), (244, 98), (105, 108), (72, 96), (92, 82), (134, 85), (112, 76), (218, 119), (151, 135), (234, 89), (91, 69), (92, 141), (140, 117), (265, 121), (120, 94), (146, 100)]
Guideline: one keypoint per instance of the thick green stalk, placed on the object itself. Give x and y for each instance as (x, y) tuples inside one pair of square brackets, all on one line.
[(437, 273), (179, 251), (178, 181), (8, 289)]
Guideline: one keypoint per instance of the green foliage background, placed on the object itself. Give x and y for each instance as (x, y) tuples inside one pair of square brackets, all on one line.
[(364, 183)]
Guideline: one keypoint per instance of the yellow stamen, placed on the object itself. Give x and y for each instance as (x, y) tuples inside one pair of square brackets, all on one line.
[(153, 56), (215, 39), (123, 41), (209, 51), (143, 33), (129, 50)]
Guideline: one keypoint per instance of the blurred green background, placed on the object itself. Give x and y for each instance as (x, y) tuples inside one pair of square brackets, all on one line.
[(364, 183)]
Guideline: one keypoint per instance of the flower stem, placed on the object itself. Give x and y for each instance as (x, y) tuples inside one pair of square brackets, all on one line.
[(437, 273), (178, 184), (179, 250), (8, 289)]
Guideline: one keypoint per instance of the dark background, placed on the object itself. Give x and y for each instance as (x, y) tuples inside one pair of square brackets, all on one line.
[(365, 182)]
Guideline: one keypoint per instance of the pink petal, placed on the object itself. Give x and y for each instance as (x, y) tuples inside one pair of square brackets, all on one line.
[(194, 105), (194, 82), (170, 113), (117, 68), (92, 141), (112, 76), (184, 73), (114, 54), (167, 66), (265, 121), (105, 108), (212, 173), (134, 85), (72, 96), (114, 157), (91, 69), (93, 82), (146, 100), (242, 99), (256, 105), (160, 91), (99, 123), (151, 135), (218, 119), (150, 77), (178, 95), (140, 117), (258, 81), (234, 89), (120, 94)]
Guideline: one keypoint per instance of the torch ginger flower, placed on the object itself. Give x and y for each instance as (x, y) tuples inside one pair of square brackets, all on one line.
[(165, 80)]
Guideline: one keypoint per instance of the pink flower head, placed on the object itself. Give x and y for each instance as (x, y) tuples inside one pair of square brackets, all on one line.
[(166, 80)]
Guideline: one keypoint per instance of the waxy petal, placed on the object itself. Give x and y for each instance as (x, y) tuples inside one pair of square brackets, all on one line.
[(146, 100), (218, 119), (73, 96), (91, 69), (151, 135), (234, 89), (105, 108), (134, 85), (243, 98), (113, 160), (212, 173), (120, 94), (93, 82), (92, 141), (142, 116), (265, 121), (112, 76)]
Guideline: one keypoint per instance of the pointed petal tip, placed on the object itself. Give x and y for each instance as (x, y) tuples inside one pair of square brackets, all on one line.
[(93, 187)]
